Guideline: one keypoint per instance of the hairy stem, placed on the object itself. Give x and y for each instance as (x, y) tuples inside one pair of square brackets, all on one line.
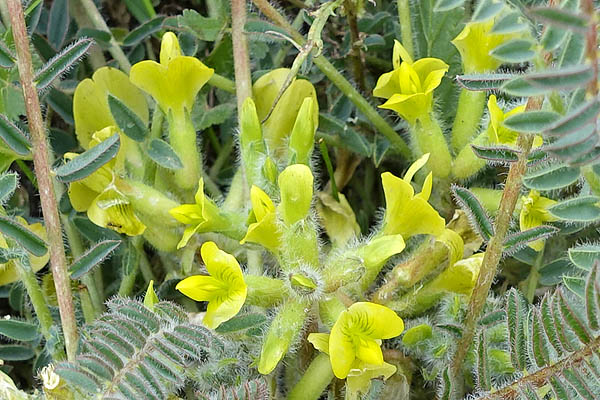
[(405, 26), (241, 59), (493, 253), (58, 261), (357, 56), (468, 116), (339, 81)]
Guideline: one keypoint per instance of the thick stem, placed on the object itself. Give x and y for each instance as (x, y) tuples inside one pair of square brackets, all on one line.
[(468, 116), (58, 261), (340, 82), (406, 26), (315, 380), (182, 136), (428, 137), (241, 59), (493, 253), (99, 23)]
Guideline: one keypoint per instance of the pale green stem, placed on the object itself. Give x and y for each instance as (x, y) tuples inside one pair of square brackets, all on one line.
[(188, 255), (32, 286), (255, 262), (89, 313), (264, 291), (220, 82), (144, 264), (314, 381), (406, 26), (99, 23), (468, 117), (128, 281), (466, 163), (428, 137)]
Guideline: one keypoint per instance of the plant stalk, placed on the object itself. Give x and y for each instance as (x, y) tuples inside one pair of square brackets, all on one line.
[(241, 59), (317, 377), (58, 260), (493, 253), (468, 116), (406, 26), (339, 81)]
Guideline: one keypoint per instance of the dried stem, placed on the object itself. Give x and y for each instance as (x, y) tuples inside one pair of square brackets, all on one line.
[(41, 164), (357, 56), (493, 253)]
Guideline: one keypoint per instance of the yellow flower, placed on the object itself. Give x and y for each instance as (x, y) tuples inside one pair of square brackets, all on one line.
[(355, 340), (8, 271), (280, 123), (337, 217), (497, 132), (408, 214), (175, 82), (534, 212), (475, 42), (203, 216), (90, 103), (409, 87), (225, 289), (264, 231), (112, 209)]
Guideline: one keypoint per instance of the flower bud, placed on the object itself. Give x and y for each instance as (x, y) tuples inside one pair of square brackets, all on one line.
[(302, 139), (296, 189)]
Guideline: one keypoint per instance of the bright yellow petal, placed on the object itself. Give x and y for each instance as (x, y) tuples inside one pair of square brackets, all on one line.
[(341, 348), (388, 84), (369, 351), (430, 72), (223, 308), (90, 102), (320, 341), (200, 287), (169, 48), (81, 196), (409, 106), (264, 233), (400, 55), (222, 265), (427, 187), (378, 321), (296, 189), (398, 193), (380, 249), (261, 203), (111, 209), (187, 235), (416, 166), (187, 214)]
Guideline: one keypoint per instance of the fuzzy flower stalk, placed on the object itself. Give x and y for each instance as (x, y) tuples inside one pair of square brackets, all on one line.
[(409, 92)]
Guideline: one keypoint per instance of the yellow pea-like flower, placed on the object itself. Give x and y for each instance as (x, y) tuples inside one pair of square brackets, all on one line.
[(175, 81), (224, 289), (202, 216), (354, 344), (409, 87), (408, 214), (497, 132), (264, 231), (534, 212)]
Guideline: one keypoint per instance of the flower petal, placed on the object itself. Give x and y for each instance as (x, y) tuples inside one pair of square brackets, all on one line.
[(380, 249), (111, 209), (261, 203), (188, 214), (223, 307), (369, 351), (187, 235), (400, 55), (200, 287), (388, 84), (169, 48), (378, 321), (222, 266), (416, 166), (320, 341), (341, 348), (360, 376)]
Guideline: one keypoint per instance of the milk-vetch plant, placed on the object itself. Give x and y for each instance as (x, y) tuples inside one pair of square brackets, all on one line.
[(226, 216)]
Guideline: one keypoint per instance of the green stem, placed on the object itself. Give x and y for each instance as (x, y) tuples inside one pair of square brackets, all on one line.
[(41, 162), (315, 380), (428, 137), (534, 275), (144, 264), (89, 314), (99, 23), (405, 26), (468, 116), (493, 254), (241, 59), (340, 82), (27, 276), (220, 82)]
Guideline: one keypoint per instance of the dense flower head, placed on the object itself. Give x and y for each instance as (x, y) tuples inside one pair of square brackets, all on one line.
[(409, 87), (224, 289)]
